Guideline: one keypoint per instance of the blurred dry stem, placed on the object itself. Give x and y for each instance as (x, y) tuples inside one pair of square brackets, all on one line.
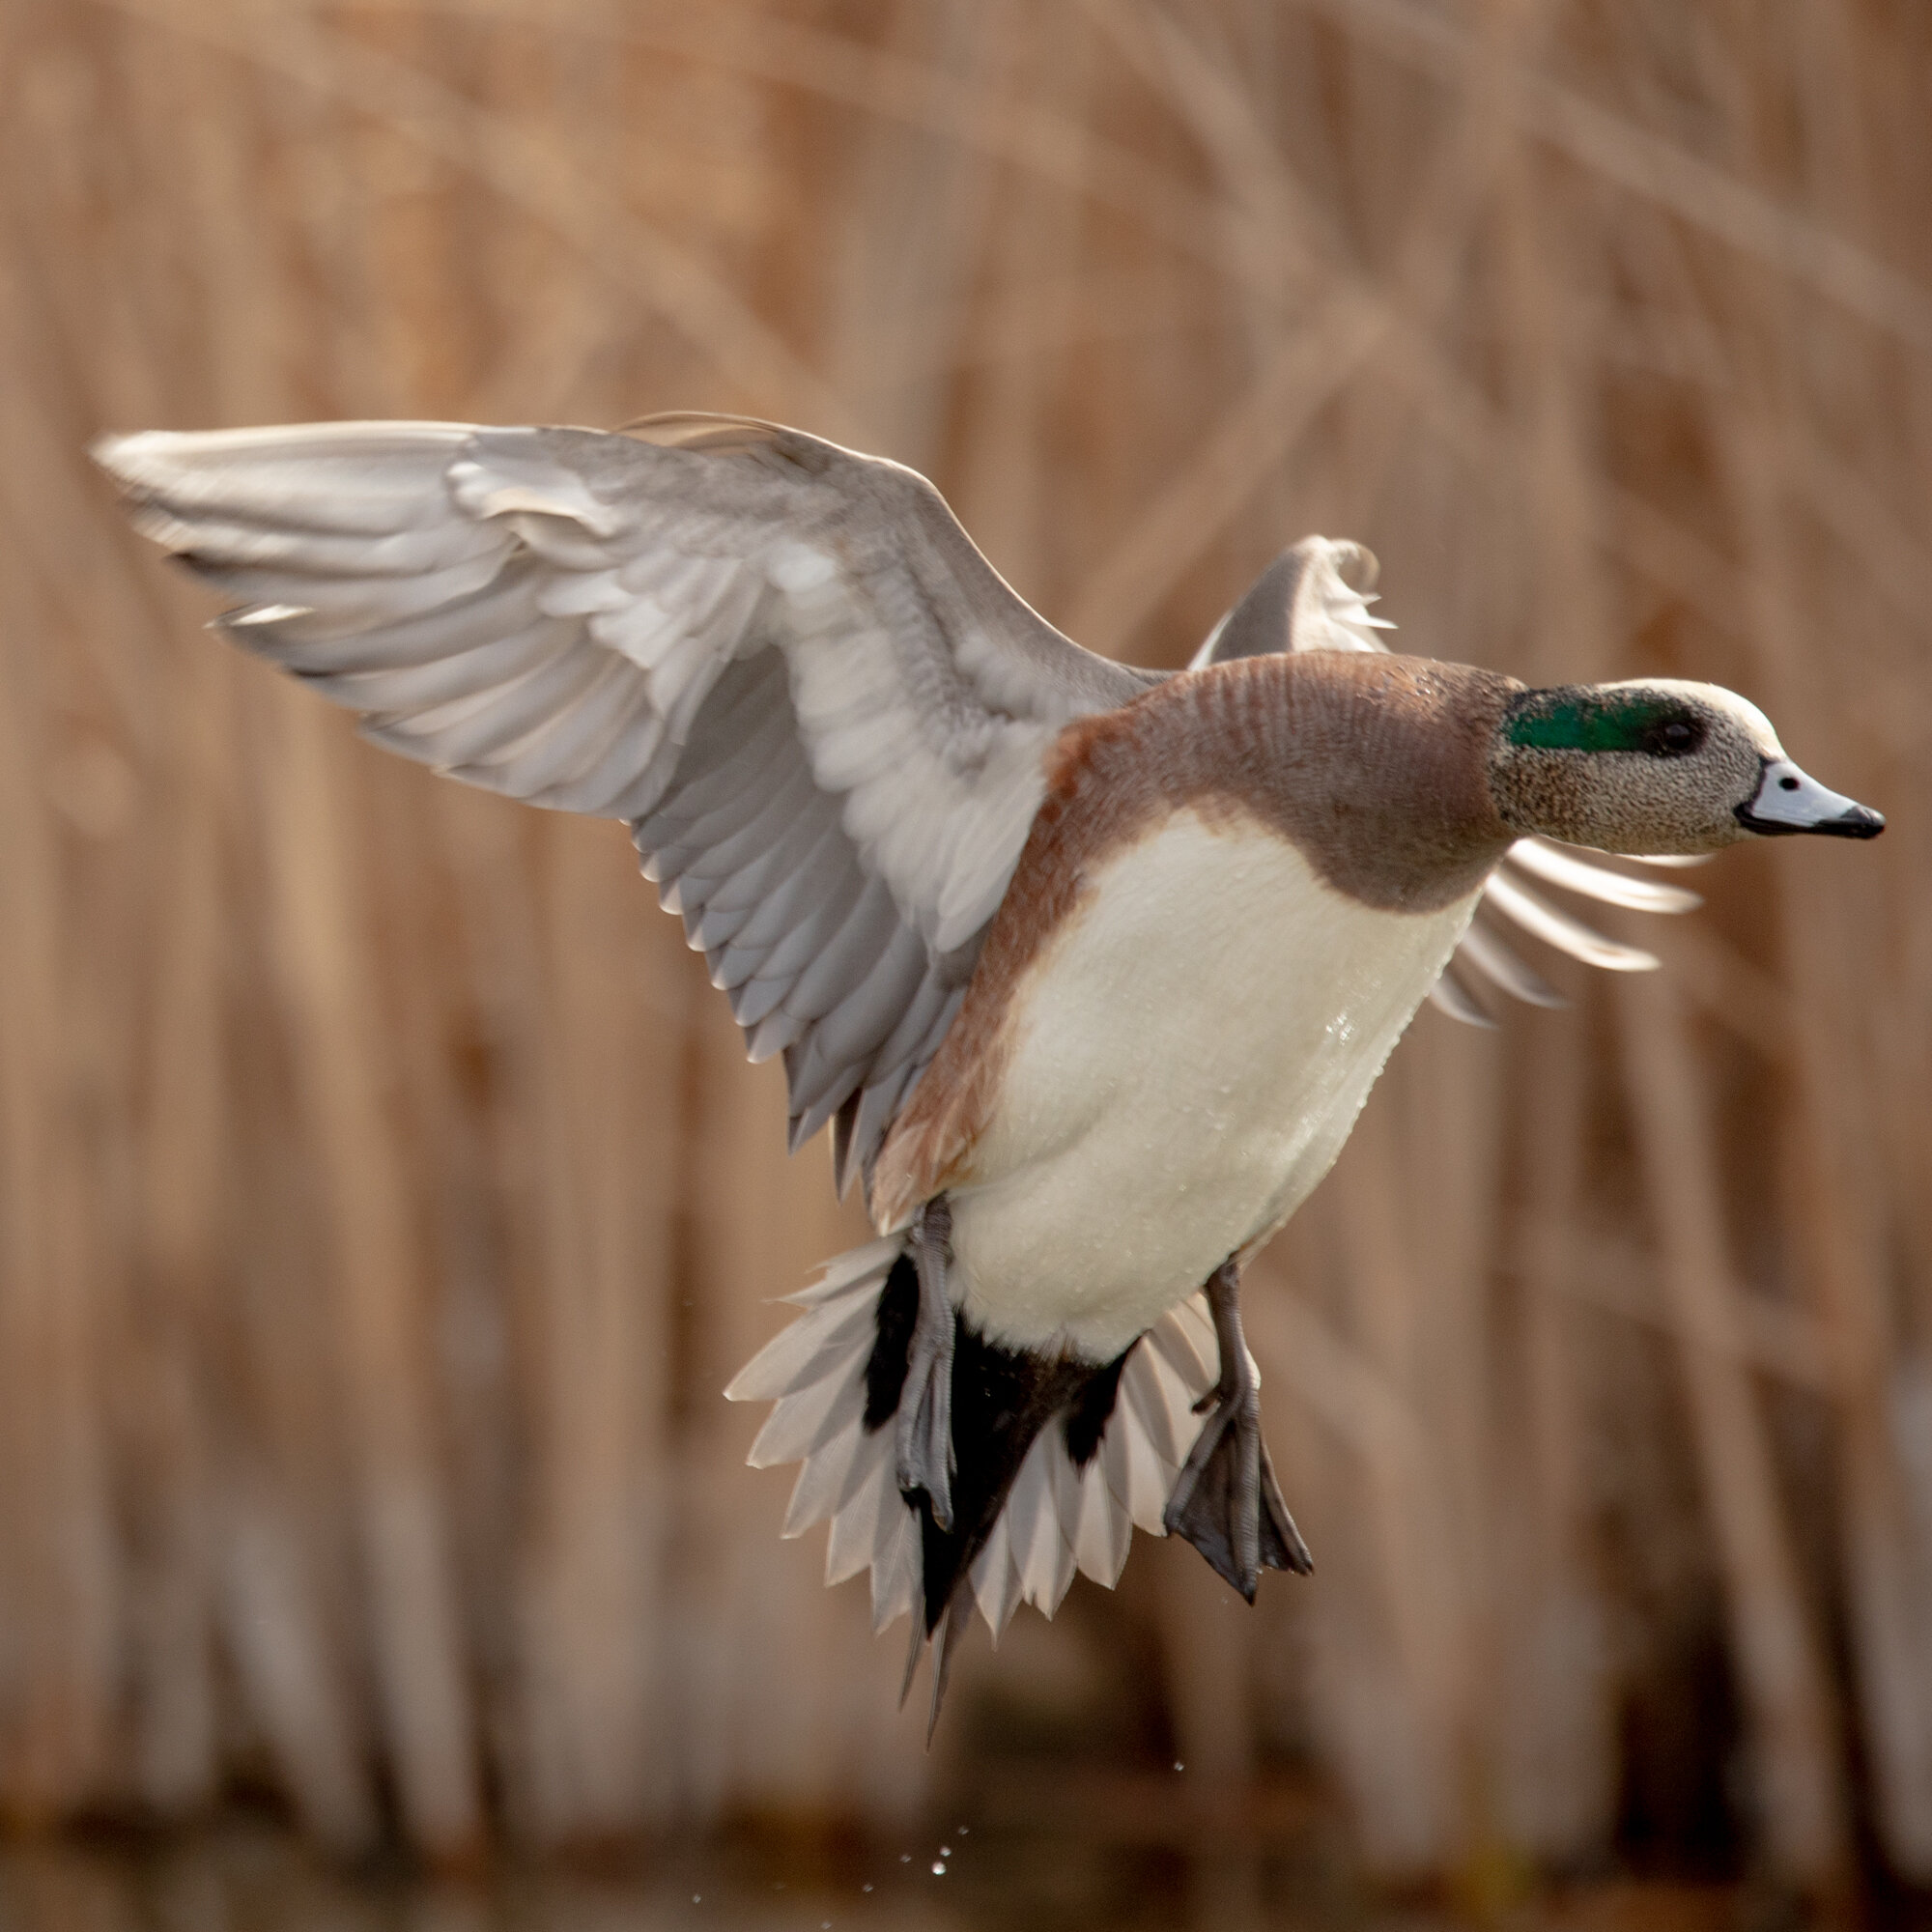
[(382, 1198)]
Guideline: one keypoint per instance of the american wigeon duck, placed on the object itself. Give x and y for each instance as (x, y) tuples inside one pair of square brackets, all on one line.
[(1090, 969)]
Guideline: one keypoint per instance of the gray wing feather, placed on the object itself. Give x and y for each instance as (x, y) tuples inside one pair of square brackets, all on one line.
[(823, 1069), (819, 707), (442, 680), (758, 947), (846, 959), (634, 739), (812, 904), (778, 826), (854, 1030), (504, 606)]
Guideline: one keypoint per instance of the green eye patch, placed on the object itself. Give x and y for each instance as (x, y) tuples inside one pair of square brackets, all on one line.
[(1571, 722)]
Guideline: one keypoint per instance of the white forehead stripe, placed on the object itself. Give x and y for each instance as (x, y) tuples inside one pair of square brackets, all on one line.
[(1750, 720)]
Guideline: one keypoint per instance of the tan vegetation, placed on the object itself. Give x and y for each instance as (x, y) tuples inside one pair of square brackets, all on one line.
[(382, 1199)]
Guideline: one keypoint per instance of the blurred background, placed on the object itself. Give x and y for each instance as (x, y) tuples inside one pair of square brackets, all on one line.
[(383, 1199)]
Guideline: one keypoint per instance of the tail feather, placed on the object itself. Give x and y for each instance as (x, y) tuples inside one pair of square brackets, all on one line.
[(894, 1568), (1057, 1516), (997, 1582)]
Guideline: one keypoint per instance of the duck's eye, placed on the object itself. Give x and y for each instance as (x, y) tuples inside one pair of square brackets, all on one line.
[(1673, 737)]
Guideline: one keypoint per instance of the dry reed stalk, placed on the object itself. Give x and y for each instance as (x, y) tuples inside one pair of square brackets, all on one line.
[(331, 1000), (1618, 1277), (67, 1205), (611, 1164), (1003, 465), (1783, 1681), (1375, 1656), (1424, 1581), (913, 223), (1449, 1201), (502, 1411), (300, 1697), (584, 1055), (788, 1703), (1888, 1563), (184, 1151), (62, 1599), (1554, 1753)]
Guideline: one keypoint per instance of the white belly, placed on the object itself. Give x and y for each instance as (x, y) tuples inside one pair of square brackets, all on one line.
[(1188, 1054)]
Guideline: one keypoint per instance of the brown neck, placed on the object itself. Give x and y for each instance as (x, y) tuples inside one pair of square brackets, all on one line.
[(1372, 766)]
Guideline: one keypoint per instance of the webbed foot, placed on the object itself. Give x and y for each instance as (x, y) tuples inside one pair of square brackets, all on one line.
[(1226, 1501)]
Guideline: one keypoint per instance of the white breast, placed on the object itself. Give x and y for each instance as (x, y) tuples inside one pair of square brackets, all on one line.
[(1187, 1056)]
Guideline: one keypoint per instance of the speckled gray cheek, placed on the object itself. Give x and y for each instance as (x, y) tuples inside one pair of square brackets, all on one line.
[(1626, 801), (1546, 792)]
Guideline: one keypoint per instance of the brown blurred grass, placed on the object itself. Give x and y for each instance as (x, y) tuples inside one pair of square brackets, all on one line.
[(382, 1201)]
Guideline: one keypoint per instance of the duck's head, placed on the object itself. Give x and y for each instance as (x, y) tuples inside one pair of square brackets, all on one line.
[(1655, 766)]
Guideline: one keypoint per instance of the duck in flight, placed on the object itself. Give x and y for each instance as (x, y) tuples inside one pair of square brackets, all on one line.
[(1089, 969)]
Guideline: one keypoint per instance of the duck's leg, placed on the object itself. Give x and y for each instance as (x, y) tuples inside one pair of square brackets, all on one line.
[(1227, 1502), (925, 1443)]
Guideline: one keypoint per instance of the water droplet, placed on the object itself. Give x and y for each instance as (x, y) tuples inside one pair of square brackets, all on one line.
[(1178, 1766), (945, 1851), (865, 1887), (938, 1870)]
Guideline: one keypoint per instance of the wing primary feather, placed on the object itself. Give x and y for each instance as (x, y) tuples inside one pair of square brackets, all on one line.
[(492, 722), (1491, 958), (440, 680), (505, 605), (1578, 874), (1536, 915), (637, 737), (563, 743), (1450, 996)]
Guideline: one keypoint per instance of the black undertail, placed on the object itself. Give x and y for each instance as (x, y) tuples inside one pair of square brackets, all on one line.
[(1001, 1401), (1001, 1398), (1092, 1408)]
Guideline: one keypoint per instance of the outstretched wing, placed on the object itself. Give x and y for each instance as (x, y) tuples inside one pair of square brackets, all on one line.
[(821, 710), (1303, 602)]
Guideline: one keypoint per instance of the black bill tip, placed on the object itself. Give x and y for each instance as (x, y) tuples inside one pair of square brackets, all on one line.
[(1858, 821), (1861, 822)]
